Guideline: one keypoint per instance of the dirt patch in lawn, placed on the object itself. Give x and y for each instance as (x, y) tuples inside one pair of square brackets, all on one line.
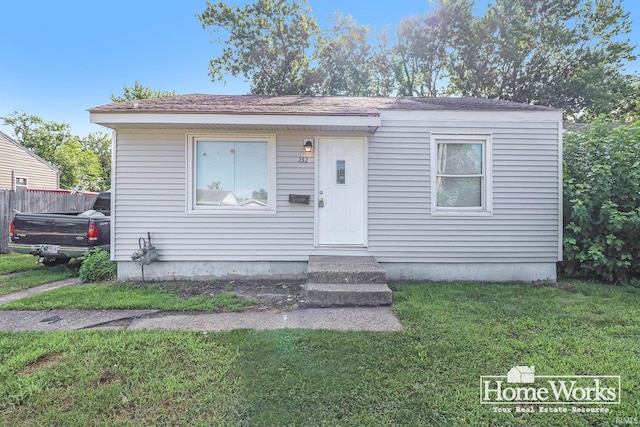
[(41, 363), (267, 295), (564, 286), (560, 285)]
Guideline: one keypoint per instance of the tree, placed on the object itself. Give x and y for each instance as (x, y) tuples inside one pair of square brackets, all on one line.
[(36, 134), (78, 166), (602, 203), (424, 47), (100, 144), (261, 194), (566, 54), (267, 44), (55, 143), (628, 109), (348, 64), (139, 92)]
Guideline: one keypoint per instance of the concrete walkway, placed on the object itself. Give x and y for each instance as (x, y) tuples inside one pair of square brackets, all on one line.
[(344, 318)]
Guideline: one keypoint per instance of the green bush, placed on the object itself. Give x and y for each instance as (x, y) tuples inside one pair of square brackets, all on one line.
[(602, 203), (97, 266)]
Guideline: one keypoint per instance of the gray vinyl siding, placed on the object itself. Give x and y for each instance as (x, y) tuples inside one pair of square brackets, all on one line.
[(15, 161), (150, 191), (150, 196), (524, 225)]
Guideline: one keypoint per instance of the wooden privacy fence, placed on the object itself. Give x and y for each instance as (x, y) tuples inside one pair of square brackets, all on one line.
[(31, 201)]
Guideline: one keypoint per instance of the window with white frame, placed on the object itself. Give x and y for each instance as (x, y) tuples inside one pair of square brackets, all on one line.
[(461, 174), (231, 173), (20, 183)]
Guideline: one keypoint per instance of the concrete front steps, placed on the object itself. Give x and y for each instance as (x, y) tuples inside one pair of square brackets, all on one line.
[(346, 281)]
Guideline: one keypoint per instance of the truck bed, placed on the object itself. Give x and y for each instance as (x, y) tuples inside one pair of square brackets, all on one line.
[(58, 229), (60, 236)]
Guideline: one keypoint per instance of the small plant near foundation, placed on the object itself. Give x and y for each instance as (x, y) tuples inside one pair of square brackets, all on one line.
[(97, 266)]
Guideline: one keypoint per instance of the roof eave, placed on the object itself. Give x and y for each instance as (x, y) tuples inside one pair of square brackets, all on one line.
[(362, 122)]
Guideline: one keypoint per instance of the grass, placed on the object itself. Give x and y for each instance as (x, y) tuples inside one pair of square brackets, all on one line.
[(428, 374), (124, 296), (12, 263), (32, 276), (97, 296), (105, 379)]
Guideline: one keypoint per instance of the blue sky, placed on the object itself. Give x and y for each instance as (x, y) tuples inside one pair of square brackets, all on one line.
[(60, 58)]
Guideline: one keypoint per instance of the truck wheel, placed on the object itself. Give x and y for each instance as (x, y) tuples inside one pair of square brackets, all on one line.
[(52, 262)]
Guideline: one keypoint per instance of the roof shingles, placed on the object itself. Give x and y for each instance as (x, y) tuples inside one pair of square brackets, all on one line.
[(305, 105)]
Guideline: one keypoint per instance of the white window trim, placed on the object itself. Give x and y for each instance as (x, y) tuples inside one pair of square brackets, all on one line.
[(487, 185), (192, 139), (15, 182)]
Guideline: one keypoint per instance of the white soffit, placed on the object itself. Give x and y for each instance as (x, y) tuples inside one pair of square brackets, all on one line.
[(249, 121)]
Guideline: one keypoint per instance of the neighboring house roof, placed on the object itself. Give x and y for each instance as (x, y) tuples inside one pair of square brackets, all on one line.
[(252, 202), (215, 197), (580, 127), (305, 105), (28, 151), (574, 127)]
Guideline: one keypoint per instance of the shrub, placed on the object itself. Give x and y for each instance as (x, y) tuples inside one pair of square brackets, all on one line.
[(97, 266), (602, 203)]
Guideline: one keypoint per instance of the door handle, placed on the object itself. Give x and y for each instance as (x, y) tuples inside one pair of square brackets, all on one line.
[(321, 202)]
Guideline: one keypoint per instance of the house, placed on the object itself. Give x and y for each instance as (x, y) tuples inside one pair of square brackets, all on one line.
[(521, 375), (210, 197), (433, 189), (22, 169)]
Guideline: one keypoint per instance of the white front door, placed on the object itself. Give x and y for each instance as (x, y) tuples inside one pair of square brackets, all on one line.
[(341, 201)]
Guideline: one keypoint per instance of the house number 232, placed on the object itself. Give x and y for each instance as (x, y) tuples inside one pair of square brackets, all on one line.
[(303, 160)]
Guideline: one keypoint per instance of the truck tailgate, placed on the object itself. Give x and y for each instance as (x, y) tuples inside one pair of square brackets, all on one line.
[(68, 230)]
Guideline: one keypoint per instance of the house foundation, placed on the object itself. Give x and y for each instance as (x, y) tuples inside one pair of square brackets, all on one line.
[(340, 270)]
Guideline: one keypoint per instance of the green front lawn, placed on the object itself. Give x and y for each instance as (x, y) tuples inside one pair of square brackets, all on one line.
[(31, 276), (121, 296), (11, 263), (428, 374), (21, 272)]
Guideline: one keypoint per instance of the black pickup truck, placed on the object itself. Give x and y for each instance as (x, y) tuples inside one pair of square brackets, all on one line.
[(57, 237)]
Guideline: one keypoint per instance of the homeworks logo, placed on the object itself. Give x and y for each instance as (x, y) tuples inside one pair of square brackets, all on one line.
[(522, 387)]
